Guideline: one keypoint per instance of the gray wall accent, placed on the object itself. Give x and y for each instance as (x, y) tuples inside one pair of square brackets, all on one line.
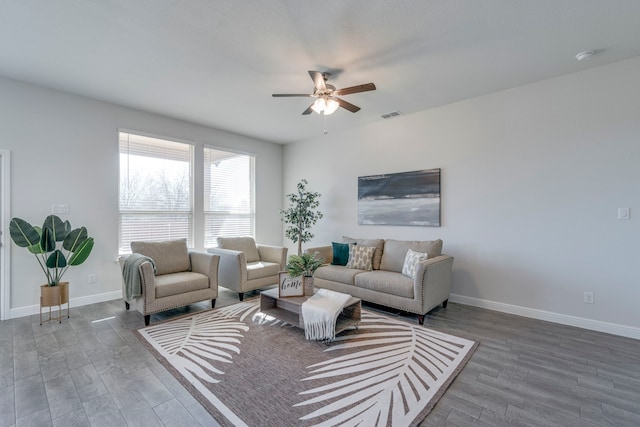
[(532, 178), (64, 149)]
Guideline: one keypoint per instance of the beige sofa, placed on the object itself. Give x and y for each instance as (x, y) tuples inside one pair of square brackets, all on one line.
[(385, 284), (177, 277), (245, 265)]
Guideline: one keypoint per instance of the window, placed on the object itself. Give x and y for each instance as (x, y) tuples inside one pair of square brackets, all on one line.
[(229, 207), (155, 190)]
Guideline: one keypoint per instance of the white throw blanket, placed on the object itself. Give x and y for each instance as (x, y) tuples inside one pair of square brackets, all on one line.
[(320, 313)]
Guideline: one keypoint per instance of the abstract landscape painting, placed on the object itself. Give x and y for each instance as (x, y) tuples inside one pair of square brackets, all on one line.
[(407, 198)]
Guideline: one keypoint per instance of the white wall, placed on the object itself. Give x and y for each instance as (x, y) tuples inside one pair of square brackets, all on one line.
[(64, 149), (531, 181)]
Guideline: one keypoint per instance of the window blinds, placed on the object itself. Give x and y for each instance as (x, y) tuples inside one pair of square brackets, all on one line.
[(229, 206), (155, 189)]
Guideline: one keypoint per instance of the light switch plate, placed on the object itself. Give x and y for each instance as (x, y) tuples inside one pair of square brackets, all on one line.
[(60, 208)]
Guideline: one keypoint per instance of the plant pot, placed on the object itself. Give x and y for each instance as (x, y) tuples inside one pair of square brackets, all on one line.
[(52, 296), (308, 286)]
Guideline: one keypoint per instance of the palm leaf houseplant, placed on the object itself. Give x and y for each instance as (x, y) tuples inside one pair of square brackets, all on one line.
[(56, 248), (304, 265)]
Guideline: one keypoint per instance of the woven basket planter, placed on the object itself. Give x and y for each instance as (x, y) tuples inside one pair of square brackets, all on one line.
[(54, 296)]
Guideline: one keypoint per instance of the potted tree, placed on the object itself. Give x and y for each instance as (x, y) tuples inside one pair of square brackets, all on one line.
[(304, 265), (54, 259), (301, 214)]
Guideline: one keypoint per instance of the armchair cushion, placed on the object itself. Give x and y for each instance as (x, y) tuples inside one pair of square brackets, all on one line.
[(171, 256), (180, 283), (242, 244), (260, 269)]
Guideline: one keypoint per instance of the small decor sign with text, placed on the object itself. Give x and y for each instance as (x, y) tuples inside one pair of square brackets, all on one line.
[(290, 286)]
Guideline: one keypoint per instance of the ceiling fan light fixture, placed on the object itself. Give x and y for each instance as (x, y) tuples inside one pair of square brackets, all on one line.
[(325, 105), (331, 106), (319, 105)]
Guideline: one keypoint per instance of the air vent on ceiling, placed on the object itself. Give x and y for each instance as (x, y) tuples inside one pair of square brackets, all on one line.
[(391, 114)]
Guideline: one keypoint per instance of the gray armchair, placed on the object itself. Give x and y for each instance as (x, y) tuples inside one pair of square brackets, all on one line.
[(170, 276), (245, 265)]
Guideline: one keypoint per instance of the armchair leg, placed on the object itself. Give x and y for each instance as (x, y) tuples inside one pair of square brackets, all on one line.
[(420, 319), (147, 318), (444, 303), (213, 303), (241, 295), (126, 305)]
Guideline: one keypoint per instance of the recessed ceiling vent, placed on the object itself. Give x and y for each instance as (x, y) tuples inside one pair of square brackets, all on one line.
[(391, 115)]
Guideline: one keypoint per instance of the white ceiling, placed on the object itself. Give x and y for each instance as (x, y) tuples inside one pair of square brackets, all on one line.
[(217, 62)]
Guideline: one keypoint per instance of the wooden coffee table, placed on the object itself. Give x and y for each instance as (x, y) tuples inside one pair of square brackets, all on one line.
[(289, 309)]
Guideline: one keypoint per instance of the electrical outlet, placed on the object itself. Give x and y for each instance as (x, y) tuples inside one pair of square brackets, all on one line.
[(588, 298), (91, 278), (624, 213)]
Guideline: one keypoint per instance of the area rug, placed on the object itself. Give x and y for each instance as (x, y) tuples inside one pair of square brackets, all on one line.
[(249, 369)]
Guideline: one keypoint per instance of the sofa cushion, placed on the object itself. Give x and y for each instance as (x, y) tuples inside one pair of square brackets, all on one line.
[(411, 261), (340, 253), (242, 244), (260, 269), (386, 282), (377, 243), (337, 273), (360, 257), (170, 256), (179, 283), (396, 250)]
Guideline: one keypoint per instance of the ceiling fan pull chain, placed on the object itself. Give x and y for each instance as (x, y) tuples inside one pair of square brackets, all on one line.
[(324, 123)]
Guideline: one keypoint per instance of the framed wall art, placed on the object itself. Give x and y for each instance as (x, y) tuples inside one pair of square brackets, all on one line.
[(406, 198), (290, 286)]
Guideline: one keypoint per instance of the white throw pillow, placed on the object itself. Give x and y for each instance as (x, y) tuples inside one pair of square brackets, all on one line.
[(411, 260), (360, 257)]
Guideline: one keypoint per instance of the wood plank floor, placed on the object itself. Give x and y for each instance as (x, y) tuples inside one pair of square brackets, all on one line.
[(92, 371)]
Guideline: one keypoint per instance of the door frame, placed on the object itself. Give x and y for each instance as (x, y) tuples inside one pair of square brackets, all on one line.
[(5, 241)]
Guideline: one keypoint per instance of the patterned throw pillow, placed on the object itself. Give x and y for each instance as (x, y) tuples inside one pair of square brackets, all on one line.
[(411, 260), (360, 257)]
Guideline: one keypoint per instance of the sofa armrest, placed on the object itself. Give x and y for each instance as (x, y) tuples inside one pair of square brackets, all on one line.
[(148, 279), (276, 254), (207, 264), (232, 268), (433, 281), (324, 252)]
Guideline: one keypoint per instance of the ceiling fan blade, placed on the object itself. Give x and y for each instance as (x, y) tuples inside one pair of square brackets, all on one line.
[(355, 89), (318, 80), (308, 110), (281, 95), (347, 105)]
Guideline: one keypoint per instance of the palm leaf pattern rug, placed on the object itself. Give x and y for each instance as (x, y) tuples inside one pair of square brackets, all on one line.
[(249, 369)]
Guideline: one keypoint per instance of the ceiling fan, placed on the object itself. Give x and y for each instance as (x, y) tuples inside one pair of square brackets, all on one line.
[(327, 101)]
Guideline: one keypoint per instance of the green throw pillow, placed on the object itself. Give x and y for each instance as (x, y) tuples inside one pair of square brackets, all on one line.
[(340, 253)]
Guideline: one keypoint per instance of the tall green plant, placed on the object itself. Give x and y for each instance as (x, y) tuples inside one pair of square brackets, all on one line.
[(43, 243), (301, 214)]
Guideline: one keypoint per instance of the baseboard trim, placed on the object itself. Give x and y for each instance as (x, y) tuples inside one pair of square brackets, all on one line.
[(73, 302), (563, 319)]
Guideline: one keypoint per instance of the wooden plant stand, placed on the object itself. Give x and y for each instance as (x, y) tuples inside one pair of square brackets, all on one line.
[(52, 296)]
